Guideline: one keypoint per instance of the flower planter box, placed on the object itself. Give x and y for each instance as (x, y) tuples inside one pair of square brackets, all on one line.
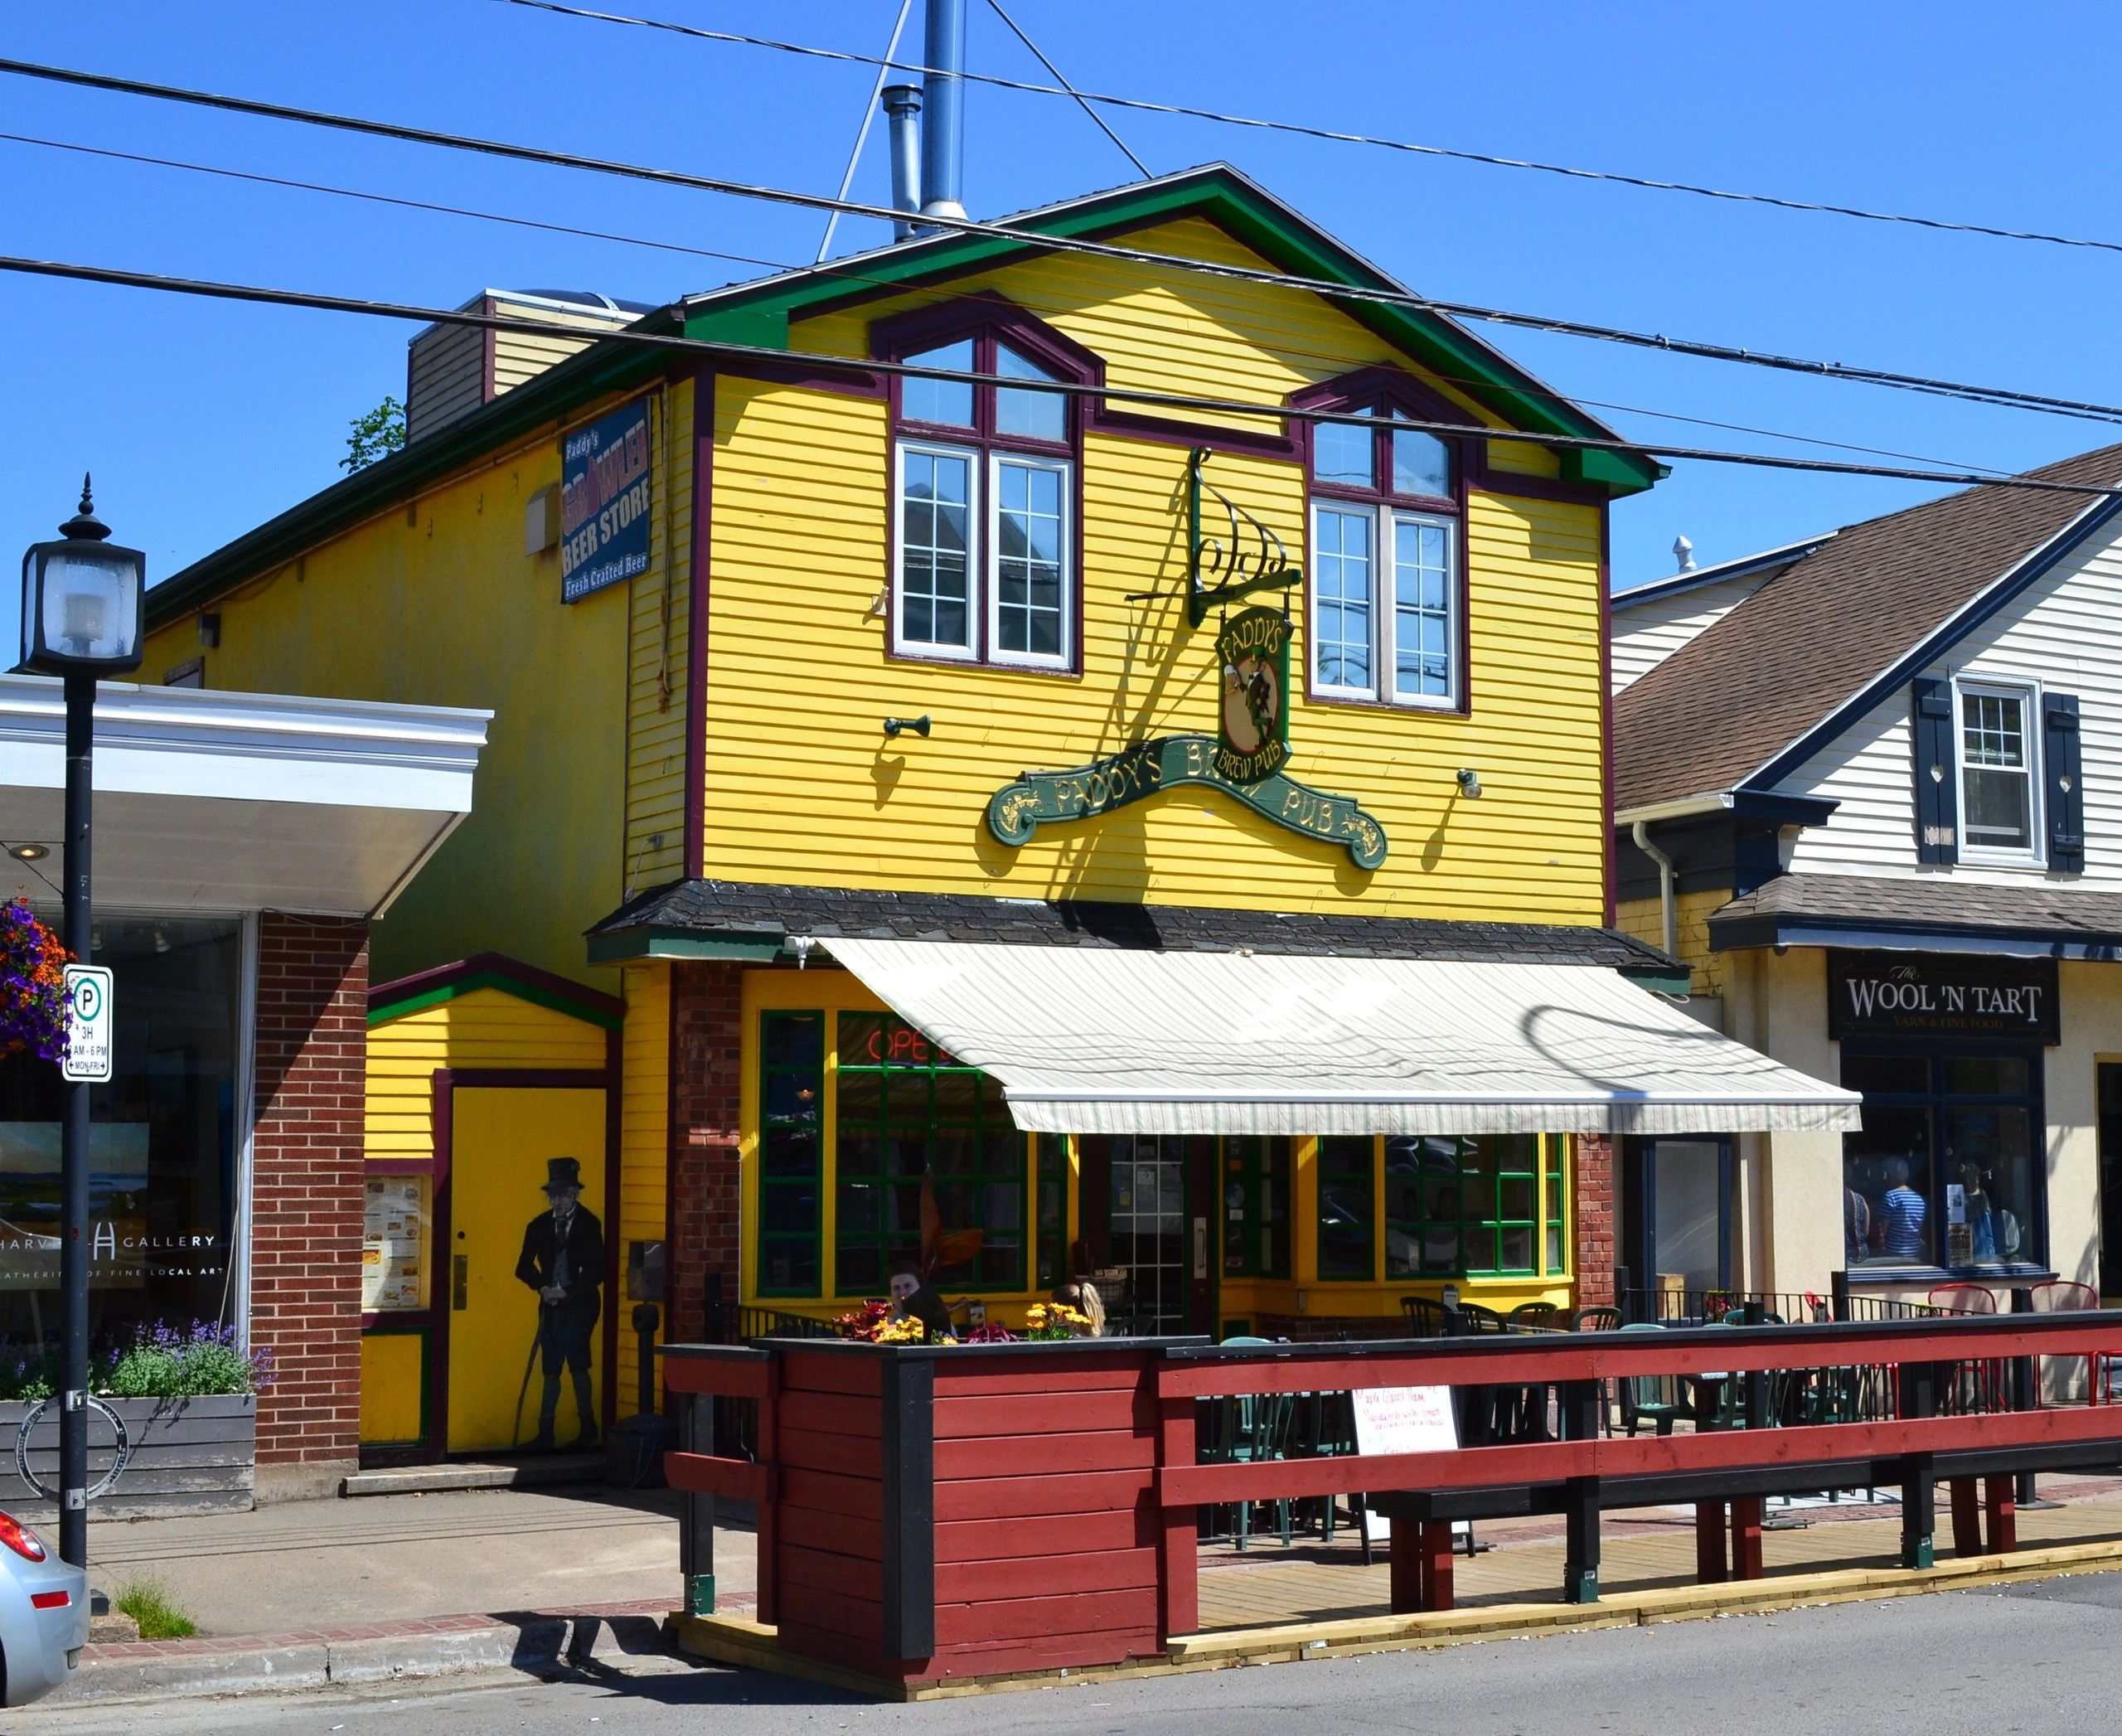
[(189, 1456)]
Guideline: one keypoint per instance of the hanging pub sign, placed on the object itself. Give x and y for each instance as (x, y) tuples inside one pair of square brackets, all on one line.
[(1244, 759), (1947, 995), (604, 492)]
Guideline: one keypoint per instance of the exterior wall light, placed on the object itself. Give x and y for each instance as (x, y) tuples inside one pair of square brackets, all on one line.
[(29, 852), (1470, 782), (899, 725)]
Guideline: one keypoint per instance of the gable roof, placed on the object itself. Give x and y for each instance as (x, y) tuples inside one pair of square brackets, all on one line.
[(1821, 642), (757, 315), (1768, 562)]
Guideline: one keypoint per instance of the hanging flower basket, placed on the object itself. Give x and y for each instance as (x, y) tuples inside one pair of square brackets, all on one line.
[(32, 985)]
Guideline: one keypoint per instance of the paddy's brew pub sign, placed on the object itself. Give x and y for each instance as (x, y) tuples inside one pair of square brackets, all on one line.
[(1244, 759), (1938, 994)]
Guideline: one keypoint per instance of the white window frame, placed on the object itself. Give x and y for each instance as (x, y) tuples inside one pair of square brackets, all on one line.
[(975, 531), (1384, 610), (990, 565), (2031, 728)]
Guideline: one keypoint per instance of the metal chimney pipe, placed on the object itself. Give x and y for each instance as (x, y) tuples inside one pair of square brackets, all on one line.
[(942, 131), (903, 111)]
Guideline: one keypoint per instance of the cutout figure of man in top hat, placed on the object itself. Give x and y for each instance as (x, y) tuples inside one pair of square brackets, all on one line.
[(563, 1262)]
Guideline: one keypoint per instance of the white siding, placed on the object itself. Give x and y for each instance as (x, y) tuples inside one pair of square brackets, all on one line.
[(2063, 634), (1646, 633)]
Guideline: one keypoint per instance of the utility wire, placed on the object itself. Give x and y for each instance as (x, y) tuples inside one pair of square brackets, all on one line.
[(1993, 395), (862, 132), (1301, 130), (1282, 346), (1098, 120), (858, 367)]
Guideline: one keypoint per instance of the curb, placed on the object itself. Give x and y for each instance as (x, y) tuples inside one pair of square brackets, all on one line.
[(530, 1643), (742, 1640)]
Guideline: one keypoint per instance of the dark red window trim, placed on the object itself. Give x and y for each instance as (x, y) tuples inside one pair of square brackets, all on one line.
[(1378, 390), (987, 319)]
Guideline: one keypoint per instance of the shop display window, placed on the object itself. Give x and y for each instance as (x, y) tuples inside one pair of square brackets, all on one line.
[(1348, 1207), (1944, 1170), (1455, 1207), (1256, 1239), (910, 1116), (1053, 1210), (792, 1158), (163, 1147)]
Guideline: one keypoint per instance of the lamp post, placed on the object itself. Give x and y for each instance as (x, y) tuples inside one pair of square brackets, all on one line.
[(80, 621)]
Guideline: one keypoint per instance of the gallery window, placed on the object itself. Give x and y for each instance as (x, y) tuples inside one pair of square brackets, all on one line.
[(1385, 551), (985, 488)]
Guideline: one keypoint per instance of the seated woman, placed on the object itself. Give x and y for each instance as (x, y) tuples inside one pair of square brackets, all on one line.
[(1082, 1294), (913, 1299)]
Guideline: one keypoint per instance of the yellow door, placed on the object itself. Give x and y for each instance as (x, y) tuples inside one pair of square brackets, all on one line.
[(502, 1140)]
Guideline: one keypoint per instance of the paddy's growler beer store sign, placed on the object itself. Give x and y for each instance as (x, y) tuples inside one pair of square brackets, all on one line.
[(1920, 994)]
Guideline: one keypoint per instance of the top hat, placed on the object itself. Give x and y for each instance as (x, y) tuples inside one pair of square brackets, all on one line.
[(563, 1172)]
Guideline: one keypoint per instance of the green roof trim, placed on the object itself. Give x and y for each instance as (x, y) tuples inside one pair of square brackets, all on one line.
[(625, 946), (746, 312), (1675, 982), (537, 994)]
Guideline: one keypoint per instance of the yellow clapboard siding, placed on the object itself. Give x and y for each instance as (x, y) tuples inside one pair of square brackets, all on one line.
[(658, 656), (801, 785), (485, 1028), (644, 1135)]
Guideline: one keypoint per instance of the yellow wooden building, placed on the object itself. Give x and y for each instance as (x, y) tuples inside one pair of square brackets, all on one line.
[(915, 616)]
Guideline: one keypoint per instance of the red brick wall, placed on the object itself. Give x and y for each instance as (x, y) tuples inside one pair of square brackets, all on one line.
[(306, 1188), (706, 1075), (1597, 1251)]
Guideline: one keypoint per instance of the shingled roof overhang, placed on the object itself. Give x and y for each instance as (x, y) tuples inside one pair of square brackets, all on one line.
[(1935, 913), (709, 918)]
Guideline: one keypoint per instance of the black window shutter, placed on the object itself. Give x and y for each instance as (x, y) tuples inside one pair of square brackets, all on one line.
[(1937, 799), (2061, 770)]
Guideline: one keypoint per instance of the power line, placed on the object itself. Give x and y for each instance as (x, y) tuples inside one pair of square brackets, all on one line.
[(1082, 102), (1999, 396), (781, 360), (1334, 136), (1282, 346)]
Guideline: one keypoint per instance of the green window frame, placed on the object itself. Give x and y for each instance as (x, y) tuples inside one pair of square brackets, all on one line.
[(1256, 1206), (1457, 1206), (791, 1155), (907, 1112), (1347, 1210)]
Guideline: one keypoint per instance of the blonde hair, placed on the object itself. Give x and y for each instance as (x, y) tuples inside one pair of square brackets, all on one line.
[(1083, 1296)]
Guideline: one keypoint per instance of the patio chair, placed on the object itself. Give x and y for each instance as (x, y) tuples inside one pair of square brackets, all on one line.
[(1249, 1431), (1653, 1398), (2062, 1296), (1964, 1298), (1537, 1317), (1596, 1319), (1427, 1317)]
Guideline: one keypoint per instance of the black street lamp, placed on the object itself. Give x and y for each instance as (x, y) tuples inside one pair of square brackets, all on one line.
[(80, 621)]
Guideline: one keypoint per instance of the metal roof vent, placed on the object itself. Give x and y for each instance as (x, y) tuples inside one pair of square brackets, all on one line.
[(1683, 553)]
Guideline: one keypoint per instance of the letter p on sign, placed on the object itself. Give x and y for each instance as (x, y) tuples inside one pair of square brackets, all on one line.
[(88, 1023)]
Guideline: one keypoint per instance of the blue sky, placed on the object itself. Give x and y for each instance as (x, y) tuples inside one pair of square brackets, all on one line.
[(202, 419)]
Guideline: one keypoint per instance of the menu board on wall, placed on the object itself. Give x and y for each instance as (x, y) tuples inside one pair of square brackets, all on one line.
[(393, 1234)]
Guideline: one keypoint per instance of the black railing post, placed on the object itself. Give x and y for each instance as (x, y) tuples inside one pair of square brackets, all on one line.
[(1837, 1290), (2026, 1394), (1624, 1297), (1580, 1406), (696, 1512), (1919, 1397)]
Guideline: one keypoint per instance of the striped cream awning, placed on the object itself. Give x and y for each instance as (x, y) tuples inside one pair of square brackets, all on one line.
[(1103, 1040)]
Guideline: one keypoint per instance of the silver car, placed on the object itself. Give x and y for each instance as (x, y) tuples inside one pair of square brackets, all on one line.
[(44, 1615)]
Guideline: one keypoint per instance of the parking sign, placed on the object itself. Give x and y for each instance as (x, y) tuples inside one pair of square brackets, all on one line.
[(88, 1023)]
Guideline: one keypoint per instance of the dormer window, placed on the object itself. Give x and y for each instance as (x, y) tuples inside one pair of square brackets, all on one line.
[(1387, 593), (985, 490)]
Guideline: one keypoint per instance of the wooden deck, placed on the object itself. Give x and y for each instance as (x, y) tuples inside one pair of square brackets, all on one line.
[(1643, 1551)]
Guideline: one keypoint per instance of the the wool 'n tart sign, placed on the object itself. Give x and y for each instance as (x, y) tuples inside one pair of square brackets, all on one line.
[(1244, 759)]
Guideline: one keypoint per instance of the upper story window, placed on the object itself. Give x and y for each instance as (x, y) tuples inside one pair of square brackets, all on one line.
[(1386, 593), (985, 489), (2000, 783)]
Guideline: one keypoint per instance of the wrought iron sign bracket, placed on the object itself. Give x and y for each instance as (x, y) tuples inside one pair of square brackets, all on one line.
[(1219, 572)]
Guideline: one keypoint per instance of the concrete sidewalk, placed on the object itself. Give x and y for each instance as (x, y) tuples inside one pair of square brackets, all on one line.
[(340, 1590)]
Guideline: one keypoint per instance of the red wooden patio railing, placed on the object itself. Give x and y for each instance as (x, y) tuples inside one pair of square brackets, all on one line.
[(927, 1512)]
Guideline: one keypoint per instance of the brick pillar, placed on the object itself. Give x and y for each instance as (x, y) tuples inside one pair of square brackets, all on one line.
[(306, 1196), (1595, 1248), (707, 1052)]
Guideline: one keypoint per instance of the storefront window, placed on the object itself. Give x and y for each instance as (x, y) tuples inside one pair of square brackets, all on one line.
[(791, 1102), (1943, 1172), (911, 1116), (1347, 1207), (1256, 1207), (1052, 1209), (1465, 1206), (162, 1148)]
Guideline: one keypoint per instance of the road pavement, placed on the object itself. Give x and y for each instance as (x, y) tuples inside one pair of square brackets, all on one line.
[(2042, 1658)]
